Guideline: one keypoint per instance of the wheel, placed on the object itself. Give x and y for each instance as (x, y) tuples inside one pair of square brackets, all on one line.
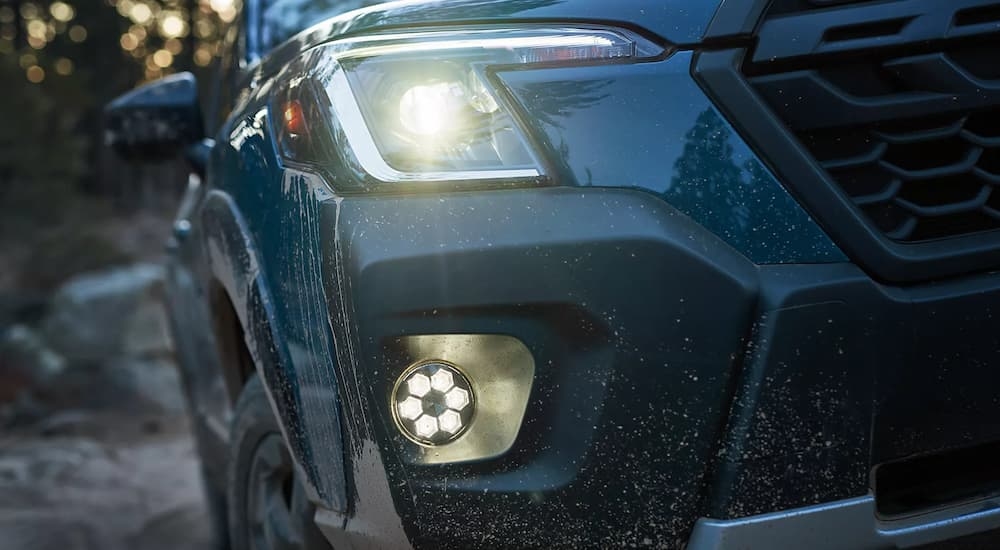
[(268, 507)]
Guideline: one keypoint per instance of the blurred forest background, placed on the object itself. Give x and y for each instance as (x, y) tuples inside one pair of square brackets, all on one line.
[(67, 205), (95, 450)]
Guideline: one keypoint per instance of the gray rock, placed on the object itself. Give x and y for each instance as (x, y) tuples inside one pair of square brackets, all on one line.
[(80, 494), (46, 463), (44, 533), (69, 423), (21, 306), (23, 410), (125, 384), (98, 316), (147, 333), (26, 362), (150, 385)]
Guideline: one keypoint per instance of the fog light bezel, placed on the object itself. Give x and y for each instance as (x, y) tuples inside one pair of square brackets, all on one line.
[(501, 371)]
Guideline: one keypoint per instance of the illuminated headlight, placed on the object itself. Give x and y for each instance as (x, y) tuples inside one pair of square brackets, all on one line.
[(425, 107), (433, 403)]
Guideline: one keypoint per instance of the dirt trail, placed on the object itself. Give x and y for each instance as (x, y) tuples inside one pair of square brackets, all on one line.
[(82, 481)]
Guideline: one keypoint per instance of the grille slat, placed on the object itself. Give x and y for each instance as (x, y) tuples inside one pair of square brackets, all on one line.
[(863, 159), (957, 169), (943, 132), (912, 137), (884, 196), (787, 37), (806, 100), (938, 72), (992, 142), (976, 203)]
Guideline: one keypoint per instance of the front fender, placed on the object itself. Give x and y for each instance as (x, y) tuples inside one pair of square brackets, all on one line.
[(234, 262)]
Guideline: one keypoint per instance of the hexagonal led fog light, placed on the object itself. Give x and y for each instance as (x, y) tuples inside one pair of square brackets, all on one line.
[(433, 403)]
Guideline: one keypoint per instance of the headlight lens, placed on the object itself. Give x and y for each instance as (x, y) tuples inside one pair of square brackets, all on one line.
[(422, 107), (431, 118)]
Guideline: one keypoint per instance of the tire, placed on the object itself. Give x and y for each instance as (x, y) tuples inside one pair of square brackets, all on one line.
[(268, 508)]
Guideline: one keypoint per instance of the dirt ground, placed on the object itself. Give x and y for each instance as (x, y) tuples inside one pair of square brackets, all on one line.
[(102, 481)]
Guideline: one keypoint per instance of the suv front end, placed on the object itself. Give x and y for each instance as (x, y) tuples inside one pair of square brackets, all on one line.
[(695, 275)]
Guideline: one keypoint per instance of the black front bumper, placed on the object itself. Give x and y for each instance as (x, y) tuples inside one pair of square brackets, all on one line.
[(674, 378)]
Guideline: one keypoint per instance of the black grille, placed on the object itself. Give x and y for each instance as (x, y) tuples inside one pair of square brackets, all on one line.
[(779, 7), (898, 101)]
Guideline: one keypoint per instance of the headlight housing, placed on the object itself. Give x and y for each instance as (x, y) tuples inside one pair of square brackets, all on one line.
[(418, 108)]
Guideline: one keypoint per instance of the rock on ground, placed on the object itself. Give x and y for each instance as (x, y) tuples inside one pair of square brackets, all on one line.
[(95, 451), (108, 484), (114, 312), (26, 361)]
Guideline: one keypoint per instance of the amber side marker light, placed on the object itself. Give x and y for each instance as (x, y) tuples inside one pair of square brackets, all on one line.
[(295, 122)]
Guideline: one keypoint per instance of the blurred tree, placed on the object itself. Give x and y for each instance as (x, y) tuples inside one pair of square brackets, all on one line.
[(60, 62), (41, 154), (78, 54)]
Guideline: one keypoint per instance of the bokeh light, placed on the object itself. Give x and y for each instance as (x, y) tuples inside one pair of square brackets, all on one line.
[(163, 58), (29, 11), (226, 9), (124, 7), (129, 42), (36, 28), (220, 5), (174, 46), (64, 66), (35, 74), (202, 56), (77, 33), (153, 33), (28, 60), (172, 25), (141, 13), (62, 11)]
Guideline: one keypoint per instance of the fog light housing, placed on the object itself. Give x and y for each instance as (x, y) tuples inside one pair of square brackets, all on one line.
[(433, 403)]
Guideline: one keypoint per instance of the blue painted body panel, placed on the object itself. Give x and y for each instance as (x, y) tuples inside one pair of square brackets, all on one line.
[(282, 222), (649, 126)]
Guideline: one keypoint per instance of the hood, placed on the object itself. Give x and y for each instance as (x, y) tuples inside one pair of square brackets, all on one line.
[(670, 21)]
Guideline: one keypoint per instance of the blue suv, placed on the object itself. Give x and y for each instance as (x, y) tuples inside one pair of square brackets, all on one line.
[(580, 273)]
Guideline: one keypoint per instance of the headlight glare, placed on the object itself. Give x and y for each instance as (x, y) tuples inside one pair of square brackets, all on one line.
[(421, 106)]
